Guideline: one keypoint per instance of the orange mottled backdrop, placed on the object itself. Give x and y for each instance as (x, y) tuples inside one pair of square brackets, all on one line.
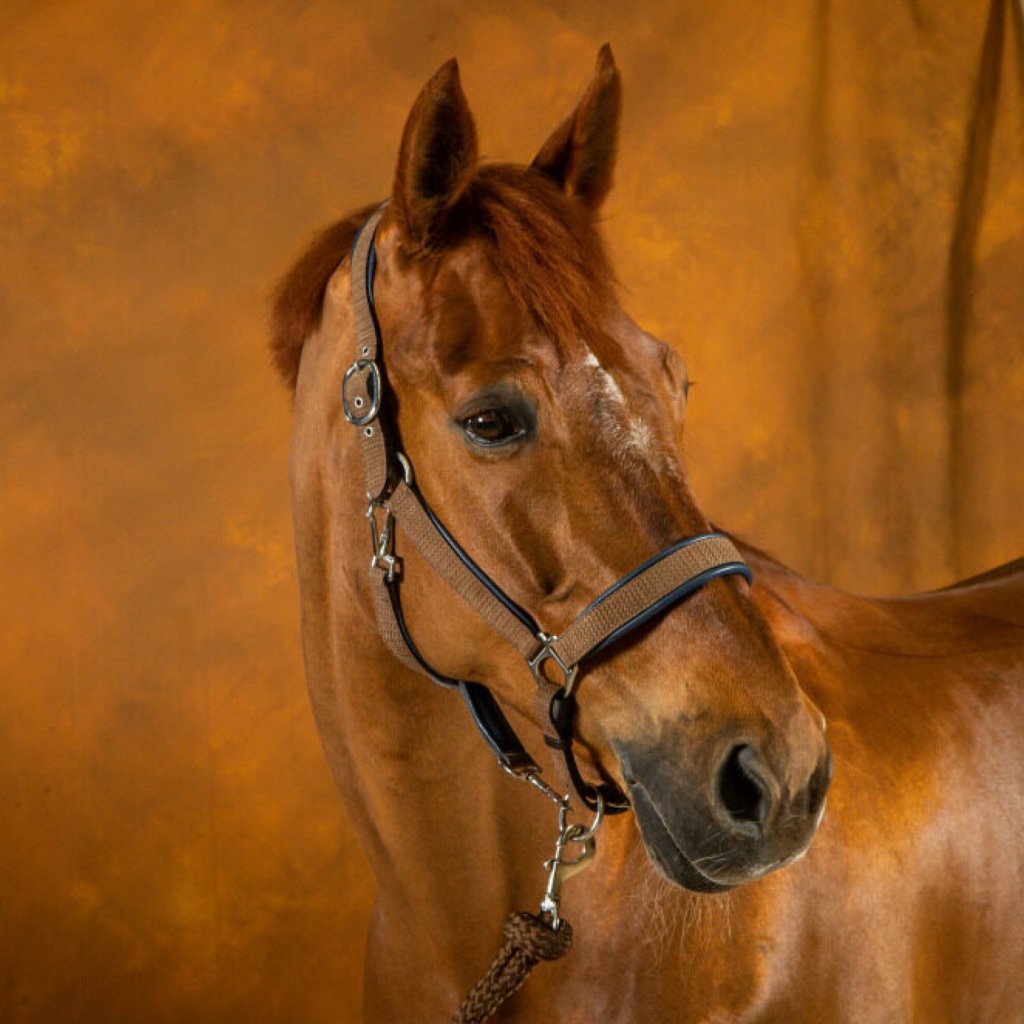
[(821, 202)]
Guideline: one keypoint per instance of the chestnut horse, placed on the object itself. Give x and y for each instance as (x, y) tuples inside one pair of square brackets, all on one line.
[(544, 426)]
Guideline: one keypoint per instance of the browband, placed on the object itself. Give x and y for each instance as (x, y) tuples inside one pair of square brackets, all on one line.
[(649, 590)]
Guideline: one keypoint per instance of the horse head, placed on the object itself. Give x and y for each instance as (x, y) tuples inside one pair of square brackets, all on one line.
[(545, 428)]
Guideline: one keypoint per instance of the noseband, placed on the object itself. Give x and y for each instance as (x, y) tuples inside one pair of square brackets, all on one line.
[(554, 661)]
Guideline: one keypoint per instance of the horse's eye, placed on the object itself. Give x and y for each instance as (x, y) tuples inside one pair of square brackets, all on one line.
[(493, 426)]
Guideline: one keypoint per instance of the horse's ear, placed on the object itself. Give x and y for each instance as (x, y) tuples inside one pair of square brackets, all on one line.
[(580, 155), (437, 157)]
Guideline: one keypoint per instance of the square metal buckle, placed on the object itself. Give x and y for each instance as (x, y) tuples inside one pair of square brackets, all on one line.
[(548, 653), (374, 392)]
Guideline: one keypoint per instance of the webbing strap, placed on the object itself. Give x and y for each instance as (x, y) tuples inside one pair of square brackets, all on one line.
[(648, 590), (362, 391), (461, 573), (485, 710)]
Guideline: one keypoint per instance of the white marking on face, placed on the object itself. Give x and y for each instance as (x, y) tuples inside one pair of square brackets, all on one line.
[(611, 386), (628, 435), (608, 383), (641, 437)]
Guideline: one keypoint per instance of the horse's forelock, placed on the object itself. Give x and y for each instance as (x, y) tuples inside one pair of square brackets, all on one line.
[(544, 246)]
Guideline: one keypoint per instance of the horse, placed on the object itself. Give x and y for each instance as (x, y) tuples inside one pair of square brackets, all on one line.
[(543, 426)]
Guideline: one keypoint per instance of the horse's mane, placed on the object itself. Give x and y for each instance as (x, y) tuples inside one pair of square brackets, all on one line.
[(544, 246), (299, 298)]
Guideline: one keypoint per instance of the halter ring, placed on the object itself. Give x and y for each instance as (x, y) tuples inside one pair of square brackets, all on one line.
[(548, 653)]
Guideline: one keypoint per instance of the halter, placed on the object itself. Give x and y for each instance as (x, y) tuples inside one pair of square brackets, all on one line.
[(554, 661)]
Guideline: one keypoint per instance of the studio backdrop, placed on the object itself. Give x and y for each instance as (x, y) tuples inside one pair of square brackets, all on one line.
[(820, 203)]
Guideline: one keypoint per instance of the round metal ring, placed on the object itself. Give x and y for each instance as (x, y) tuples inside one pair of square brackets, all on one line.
[(589, 832), (374, 392)]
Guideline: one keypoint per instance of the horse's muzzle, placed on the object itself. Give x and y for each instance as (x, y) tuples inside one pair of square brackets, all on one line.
[(740, 824)]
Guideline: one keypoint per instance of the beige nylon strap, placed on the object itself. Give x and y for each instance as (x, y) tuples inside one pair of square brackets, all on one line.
[(608, 614), (363, 385), (387, 623), (415, 522), (362, 390), (620, 605)]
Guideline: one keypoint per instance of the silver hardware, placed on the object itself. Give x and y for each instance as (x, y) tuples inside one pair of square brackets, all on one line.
[(383, 541), (548, 653), (529, 772), (406, 465), (560, 868), (374, 389), (358, 401), (368, 432), (366, 350)]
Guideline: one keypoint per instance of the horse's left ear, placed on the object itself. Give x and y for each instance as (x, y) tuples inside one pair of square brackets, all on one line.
[(580, 155), (437, 157)]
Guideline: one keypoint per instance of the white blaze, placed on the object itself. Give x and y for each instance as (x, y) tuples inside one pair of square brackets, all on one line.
[(629, 435)]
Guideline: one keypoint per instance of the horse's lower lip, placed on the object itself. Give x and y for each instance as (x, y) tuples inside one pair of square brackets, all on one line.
[(664, 850)]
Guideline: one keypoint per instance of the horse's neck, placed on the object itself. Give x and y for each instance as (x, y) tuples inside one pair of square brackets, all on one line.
[(443, 827)]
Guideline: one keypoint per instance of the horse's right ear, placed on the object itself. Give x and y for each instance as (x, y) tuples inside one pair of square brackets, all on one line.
[(580, 155), (437, 158)]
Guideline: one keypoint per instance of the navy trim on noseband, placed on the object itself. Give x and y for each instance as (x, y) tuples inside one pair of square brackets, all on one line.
[(496, 592), (670, 599), (653, 560)]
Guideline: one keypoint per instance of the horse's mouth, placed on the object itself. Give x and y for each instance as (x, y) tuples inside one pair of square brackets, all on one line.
[(664, 851), (676, 866)]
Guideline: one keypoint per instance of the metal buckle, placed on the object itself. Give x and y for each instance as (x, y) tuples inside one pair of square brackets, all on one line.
[(373, 389), (548, 653), (407, 474), (560, 867), (383, 540), (527, 771)]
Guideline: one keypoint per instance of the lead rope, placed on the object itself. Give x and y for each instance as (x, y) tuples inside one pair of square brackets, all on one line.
[(530, 938)]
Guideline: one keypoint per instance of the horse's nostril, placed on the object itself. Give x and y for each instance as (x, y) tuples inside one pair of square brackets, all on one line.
[(742, 791)]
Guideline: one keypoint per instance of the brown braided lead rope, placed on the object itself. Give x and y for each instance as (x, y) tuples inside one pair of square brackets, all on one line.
[(528, 940)]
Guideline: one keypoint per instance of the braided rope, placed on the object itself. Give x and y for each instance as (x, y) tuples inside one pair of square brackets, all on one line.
[(528, 940)]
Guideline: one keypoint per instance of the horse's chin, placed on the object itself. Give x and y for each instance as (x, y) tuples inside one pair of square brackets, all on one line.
[(673, 864), (668, 859)]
